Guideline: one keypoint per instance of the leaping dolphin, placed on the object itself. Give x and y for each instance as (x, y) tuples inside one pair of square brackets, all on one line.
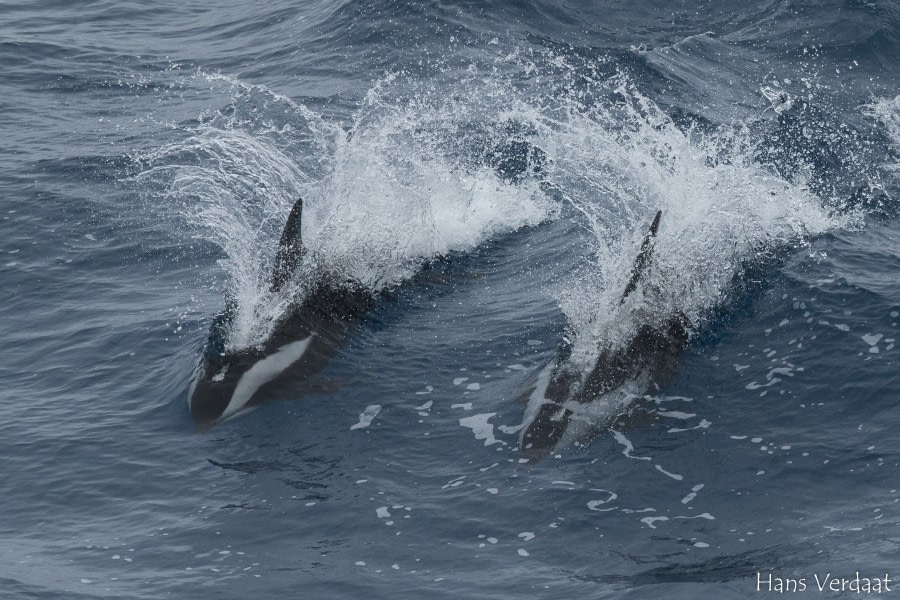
[(568, 403), (307, 336)]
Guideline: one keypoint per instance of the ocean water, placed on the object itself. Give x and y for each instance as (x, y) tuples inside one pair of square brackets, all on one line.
[(488, 170)]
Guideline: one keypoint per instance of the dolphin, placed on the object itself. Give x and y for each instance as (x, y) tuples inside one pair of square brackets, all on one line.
[(307, 336), (568, 402)]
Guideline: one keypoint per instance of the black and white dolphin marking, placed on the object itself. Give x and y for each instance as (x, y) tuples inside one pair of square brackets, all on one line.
[(307, 336), (568, 403)]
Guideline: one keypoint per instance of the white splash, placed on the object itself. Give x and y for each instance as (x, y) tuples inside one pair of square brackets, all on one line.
[(887, 111), (720, 209), (394, 187)]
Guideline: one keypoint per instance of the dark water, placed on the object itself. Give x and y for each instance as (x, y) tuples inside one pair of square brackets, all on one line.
[(151, 152)]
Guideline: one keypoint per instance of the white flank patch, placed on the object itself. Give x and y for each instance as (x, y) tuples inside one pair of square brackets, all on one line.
[(537, 397), (263, 372)]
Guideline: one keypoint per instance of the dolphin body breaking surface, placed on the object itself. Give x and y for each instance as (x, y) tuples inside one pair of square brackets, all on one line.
[(307, 336), (310, 332), (568, 403)]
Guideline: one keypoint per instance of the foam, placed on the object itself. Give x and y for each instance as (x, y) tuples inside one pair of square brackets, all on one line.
[(482, 429), (887, 111), (367, 416)]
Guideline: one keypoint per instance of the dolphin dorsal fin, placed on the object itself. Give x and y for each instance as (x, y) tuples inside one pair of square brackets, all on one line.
[(290, 248), (643, 258)]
